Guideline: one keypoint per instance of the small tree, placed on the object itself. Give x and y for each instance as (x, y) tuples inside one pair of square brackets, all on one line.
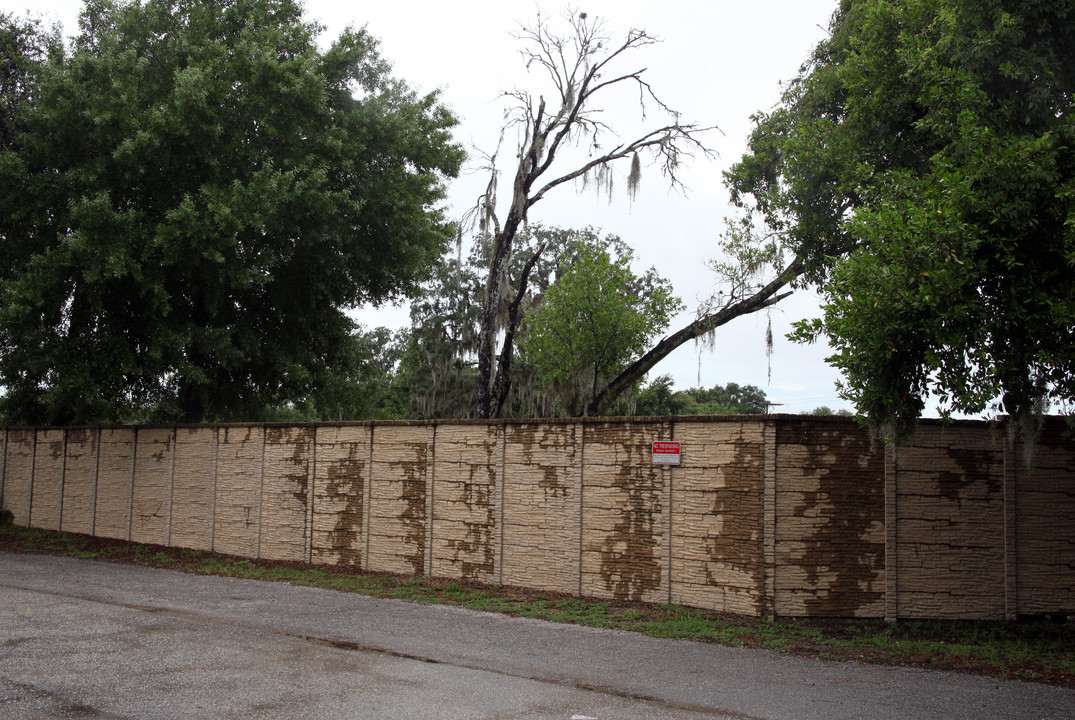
[(440, 370), (592, 322)]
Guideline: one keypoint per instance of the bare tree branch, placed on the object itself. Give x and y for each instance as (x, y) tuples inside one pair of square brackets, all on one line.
[(575, 65), (767, 296)]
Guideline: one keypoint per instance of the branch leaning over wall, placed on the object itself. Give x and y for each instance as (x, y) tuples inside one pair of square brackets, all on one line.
[(767, 296)]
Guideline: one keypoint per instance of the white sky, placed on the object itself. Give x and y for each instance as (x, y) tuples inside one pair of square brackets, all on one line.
[(719, 62)]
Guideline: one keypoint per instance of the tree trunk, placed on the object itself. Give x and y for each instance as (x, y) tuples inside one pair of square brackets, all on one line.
[(503, 368), (193, 400), (487, 334)]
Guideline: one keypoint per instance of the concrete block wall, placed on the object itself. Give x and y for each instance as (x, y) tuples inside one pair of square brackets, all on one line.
[(950, 524), (398, 516), (765, 515), (19, 474), (541, 501), (340, 495), (829, 520), (115, 482), (465, 529), (1040, 526), (80, 481), (194, 478), (718, 521), (624, 513), (285, 493)]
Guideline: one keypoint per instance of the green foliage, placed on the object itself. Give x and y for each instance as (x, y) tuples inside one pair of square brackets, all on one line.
[(438, 371), (825, 410), (197, 196), (592, 323), (923, 165), (658, 398), (361, 385), (437, 374), (25, 48), (732, 398)]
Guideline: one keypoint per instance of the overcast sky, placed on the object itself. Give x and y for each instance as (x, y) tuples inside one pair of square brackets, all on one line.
[(719, 61)]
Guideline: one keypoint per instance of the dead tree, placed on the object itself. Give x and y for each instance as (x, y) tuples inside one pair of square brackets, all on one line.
[(582, 67)]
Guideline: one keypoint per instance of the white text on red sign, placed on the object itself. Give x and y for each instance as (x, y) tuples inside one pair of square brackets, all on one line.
[(666, 453)]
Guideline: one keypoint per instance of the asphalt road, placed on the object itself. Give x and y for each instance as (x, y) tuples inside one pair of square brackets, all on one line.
[(87, 639)]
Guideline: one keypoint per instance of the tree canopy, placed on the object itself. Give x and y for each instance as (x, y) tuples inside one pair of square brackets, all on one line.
[(439, 368), (592, 323), (659, 398), (922, 166), (25, 47), (195, 196)]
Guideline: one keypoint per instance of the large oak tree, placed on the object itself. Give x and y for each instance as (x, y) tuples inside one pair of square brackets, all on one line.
[(196, 196)]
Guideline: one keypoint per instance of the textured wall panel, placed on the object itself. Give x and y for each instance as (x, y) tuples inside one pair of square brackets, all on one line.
[(1045, 521), (830, 511), (286, 493), (19, 474), (978, 532), (3, 463), (624, 546), (48, 479), (115, 471), (238, 490), (542, 510), (465, 533), (339, 493), (152, 496), (950, 534), (80, 481), (193, 488), (717, 523), (399, 492)]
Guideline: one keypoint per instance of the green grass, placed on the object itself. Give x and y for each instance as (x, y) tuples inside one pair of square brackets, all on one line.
[(1037, 650)]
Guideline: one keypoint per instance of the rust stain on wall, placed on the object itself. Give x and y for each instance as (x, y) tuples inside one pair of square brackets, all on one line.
[(477, 542), (552, 484), (474, 554), (414, 515), (526, 438), (345, 480), (300, 441), (739, 507), (974, 468), (629, 563), (843, 564)]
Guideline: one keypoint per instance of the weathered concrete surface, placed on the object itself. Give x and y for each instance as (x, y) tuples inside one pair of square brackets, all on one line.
[(87, 639), (765, 515)]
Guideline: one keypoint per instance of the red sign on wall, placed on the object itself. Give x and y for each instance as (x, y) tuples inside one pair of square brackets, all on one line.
[(666, 453)]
